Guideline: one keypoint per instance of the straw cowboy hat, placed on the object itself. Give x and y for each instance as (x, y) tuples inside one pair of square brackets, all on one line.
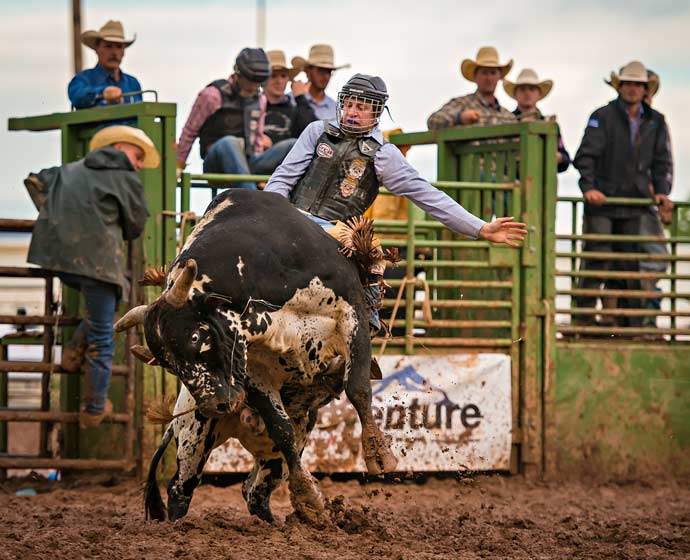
[(278, 62), (634, 72), (487, 57), (112, 31), (120, 133), (320, 56), (528, 77)]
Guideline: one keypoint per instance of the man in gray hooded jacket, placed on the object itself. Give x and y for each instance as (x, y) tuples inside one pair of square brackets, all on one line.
[(86, 209)]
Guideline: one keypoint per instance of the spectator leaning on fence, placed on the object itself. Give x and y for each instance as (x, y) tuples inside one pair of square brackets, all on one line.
[(480, 107), (528, 90), (106, 82), (319, 67), (625, 147), (286, 115), (86, 209)]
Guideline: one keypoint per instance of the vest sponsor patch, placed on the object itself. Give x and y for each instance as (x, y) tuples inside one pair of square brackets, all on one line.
[(357, 168), (324, 150), (348, 186), (366, 147)]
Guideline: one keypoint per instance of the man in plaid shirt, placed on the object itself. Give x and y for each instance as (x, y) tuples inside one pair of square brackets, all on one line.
[(481, 107)]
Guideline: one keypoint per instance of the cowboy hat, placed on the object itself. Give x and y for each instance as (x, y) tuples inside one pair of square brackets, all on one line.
[(119, 133), (112, 31), (487, 57), (528, 77), (278, 62), (633, 72), (320, 56), (654, 83)]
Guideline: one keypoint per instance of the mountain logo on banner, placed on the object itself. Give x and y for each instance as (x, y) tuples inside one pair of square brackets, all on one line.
[(410, 379)]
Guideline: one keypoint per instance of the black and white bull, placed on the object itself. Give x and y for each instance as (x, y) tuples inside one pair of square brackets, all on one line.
[(264, 322)]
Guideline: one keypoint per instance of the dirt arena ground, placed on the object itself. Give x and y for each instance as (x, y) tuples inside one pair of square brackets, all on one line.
[(477, 517)]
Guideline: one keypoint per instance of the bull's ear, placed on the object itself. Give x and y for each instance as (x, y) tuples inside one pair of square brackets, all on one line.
[(144, 354)]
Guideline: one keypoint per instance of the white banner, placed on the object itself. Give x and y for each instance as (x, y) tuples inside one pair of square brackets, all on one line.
[(442, 413)]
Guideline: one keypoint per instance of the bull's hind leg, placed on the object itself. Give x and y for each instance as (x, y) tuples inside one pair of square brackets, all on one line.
[(304, 492), (377, 453)]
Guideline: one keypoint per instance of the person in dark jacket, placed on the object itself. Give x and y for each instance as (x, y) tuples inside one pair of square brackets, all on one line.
[(86, 209), (528, 90), (286, 115), (625, 148)]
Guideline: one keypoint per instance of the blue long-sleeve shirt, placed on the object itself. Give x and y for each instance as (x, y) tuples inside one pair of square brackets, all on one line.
[(85, 90), (392, 170)]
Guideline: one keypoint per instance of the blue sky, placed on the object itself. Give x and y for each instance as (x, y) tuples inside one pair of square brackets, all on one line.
[(415, 46)]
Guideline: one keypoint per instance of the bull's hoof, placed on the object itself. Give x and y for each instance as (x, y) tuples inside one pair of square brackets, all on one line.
[(377, 452), (262, 511), (307, 500)]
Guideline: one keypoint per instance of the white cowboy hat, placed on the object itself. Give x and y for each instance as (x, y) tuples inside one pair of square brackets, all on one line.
[(487, 57), (278, 62), (119, 133), (112, 32), (320, 56), (528, 77), (633, 72)]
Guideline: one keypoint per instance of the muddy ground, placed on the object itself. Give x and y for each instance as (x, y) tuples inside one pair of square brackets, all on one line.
[(477, 517)]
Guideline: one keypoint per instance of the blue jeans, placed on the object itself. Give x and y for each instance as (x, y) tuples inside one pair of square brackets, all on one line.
[(100, 300), (227, 156)]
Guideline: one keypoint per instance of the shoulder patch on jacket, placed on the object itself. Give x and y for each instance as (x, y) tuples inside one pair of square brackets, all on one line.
[(594, 123)]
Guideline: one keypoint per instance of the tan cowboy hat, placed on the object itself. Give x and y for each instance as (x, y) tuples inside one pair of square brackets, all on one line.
[(528, 77), (112, 31), (487, 57), (119, 133), (320, 56), (278, 62), (633, 72)]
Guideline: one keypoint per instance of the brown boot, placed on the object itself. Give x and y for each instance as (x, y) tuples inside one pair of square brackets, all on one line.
[(87, 421)]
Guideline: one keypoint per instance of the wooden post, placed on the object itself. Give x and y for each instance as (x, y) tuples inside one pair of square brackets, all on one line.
[(76, 35)]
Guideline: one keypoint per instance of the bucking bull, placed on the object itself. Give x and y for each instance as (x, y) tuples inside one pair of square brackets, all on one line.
[(264, 322)]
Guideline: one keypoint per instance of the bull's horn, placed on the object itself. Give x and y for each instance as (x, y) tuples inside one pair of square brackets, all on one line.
[(177, 295), (144, 354), (134, 316)]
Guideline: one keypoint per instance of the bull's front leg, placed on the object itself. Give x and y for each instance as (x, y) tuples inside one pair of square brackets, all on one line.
[(196, 438), (377, 453), (305, 496)]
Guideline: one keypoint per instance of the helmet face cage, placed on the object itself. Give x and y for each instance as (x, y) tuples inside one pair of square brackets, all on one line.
[(368, 110)]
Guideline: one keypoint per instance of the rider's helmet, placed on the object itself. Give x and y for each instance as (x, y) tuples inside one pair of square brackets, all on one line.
[(365, 96)]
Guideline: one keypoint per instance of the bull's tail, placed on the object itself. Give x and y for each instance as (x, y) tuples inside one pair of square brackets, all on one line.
[(153, 502)]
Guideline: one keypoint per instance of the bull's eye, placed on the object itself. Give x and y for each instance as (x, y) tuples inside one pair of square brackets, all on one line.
[(195, 337)]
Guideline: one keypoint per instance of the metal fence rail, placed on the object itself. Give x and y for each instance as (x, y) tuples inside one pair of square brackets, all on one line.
[(603, 320)]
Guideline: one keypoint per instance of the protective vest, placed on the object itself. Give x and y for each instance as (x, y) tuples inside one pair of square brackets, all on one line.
[(237, 116), (340, 181)]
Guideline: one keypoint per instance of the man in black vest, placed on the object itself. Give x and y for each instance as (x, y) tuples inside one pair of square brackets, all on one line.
[(334, 171), (228, 117)]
